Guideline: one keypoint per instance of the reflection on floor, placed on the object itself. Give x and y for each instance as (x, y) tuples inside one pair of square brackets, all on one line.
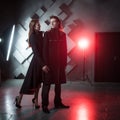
[(87, 102)]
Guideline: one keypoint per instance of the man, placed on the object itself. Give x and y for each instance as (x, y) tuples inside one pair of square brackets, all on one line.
[(55, 58)]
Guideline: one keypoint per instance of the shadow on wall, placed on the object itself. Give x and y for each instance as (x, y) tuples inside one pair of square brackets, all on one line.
[(20, 76)]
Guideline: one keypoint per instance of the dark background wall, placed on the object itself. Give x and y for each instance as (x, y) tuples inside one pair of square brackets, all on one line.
[(81, 18)]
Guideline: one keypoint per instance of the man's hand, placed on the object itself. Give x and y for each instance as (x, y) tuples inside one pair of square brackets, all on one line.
[(45, 69)]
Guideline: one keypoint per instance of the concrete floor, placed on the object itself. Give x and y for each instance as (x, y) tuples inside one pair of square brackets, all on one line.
[(96, 102)]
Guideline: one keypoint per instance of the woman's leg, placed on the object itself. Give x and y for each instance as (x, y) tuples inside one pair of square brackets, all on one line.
[(36, 95), (37, 106), (18, 100)]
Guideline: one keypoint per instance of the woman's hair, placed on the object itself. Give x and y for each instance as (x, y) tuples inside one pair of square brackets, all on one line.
[(59, 21), (31, 28)]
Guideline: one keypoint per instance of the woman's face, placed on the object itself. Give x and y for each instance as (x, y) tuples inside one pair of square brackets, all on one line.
[(37, 26), (54, 23)]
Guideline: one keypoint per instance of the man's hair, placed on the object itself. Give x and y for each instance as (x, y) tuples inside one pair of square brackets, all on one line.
[(55, 17)]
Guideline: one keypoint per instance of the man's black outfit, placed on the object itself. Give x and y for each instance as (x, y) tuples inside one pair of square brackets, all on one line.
[(55, 57)]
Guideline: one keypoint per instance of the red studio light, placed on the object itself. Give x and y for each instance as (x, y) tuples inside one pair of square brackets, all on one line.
[(83, 43)]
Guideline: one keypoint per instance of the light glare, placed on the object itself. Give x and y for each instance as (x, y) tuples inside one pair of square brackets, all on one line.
[(0, 39), (10, 43), (83, 43)]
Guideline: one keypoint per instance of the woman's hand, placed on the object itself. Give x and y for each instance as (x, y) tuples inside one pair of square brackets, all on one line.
[(45, 69)]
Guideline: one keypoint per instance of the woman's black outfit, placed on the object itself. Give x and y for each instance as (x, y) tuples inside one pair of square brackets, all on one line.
[(33, 77)]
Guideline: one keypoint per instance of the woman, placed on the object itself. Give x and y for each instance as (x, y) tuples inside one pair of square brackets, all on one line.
[(33, 77)]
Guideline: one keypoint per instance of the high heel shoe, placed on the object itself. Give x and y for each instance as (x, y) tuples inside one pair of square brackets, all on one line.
[(16, 102), (33, 100), (37, 106)]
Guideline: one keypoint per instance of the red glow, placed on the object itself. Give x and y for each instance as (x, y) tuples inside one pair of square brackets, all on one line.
[(83, 110), (83, 43), (83, 113)]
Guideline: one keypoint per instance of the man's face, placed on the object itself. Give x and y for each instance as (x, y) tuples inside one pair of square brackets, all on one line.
[(54, 23)]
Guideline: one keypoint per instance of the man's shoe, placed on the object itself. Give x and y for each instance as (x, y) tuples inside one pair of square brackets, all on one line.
[(60, 106), (45, 109)]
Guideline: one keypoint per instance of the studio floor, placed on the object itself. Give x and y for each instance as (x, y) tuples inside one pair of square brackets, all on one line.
[(99, 101)]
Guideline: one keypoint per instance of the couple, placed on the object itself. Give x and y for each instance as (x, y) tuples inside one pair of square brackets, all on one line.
[(47, 65)]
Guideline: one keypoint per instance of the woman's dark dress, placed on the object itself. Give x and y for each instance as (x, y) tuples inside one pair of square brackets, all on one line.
[(33, 77)]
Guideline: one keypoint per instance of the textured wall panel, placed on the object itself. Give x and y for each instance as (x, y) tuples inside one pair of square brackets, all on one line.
[(72, 26), (18, 56)]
